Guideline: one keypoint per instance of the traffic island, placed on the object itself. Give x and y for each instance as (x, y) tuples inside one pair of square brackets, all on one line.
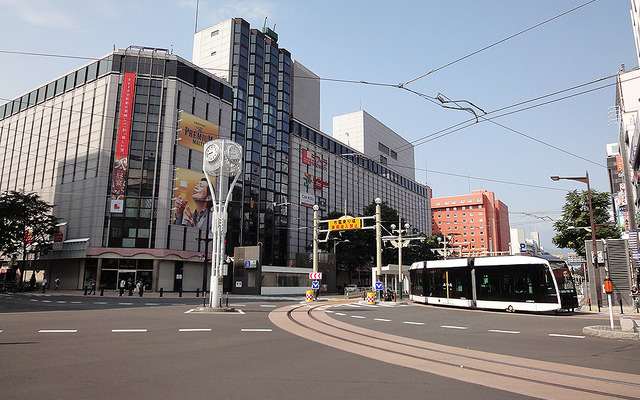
[(605, 332), (214, 310)]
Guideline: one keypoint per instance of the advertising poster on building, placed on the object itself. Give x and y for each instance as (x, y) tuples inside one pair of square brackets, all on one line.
[(192, 200), (120, 165), (194, 132), (58, 236)]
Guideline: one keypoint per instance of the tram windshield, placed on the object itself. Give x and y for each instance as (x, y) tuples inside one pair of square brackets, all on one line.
[(563, 276)]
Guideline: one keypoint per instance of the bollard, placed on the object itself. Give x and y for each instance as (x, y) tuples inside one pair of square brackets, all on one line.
[(101, 290), (620, 301), (180, 293), (198, 292), (161, 291), (85, 291)]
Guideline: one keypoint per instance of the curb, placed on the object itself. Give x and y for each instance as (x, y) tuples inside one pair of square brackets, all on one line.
[(605, 332)]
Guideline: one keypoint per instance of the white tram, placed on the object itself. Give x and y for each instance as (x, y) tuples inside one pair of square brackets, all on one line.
[(512, 283)]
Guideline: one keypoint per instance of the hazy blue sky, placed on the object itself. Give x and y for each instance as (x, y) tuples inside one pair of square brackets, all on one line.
[(396, 42)]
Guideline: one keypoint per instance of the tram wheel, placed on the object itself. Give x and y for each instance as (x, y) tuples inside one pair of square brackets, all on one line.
[(510, 309)]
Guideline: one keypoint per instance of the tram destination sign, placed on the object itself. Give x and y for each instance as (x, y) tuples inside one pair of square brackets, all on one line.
[(343, 224)]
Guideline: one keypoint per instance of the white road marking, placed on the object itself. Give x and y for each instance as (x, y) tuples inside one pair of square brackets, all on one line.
[(125, 304), (100, 302), (46, 301), (195, 330), (358, 316), (328, 311), (499, 331), (382, 319), (267, 305), (256, 330), (566, 336), (76, 302), (151, 304), (353, 305), (33, 300), (61, 301), (453, 327), (128, 330), (339, 313), (189, 311), (58, 331), (413, 323)]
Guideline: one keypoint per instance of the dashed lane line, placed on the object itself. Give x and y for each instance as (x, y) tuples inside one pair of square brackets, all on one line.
[(268, 305), (256, 330), (195, 330), (358, 316), (413, 323), (453, 327), (501, 331), (58, 331), (382, 319), (128, 330), (566, 336)]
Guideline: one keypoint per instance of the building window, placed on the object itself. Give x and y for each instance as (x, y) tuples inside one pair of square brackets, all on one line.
[(393, 154), (383, 149), (383, 160)]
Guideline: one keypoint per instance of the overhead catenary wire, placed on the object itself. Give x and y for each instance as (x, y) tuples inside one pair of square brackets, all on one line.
[(496, 43)]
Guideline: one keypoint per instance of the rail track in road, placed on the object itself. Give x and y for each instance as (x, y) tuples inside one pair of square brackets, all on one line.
[(524, 376)]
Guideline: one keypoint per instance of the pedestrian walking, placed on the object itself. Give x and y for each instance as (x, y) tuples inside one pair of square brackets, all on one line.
[(57, 282), (44, 284), (123, 284), (130, 287), (93, 287)]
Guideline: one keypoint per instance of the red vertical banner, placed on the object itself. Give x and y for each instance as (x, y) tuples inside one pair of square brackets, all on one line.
[(121, 162)]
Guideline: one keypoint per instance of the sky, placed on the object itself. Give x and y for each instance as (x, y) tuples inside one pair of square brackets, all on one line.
[(488, 54)]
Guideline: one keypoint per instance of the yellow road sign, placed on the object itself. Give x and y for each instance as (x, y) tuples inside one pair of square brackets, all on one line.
[(344, 224)]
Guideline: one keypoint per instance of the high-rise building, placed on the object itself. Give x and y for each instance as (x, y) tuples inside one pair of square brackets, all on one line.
[(366, 134), (116, 145), (477, 223), (102, 143), (290, 164)]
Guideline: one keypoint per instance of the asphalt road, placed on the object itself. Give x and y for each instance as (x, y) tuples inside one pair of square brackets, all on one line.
[(148, 351)]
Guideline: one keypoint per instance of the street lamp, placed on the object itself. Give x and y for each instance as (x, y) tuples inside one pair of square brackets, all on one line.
[(585, 179), (401, 244)]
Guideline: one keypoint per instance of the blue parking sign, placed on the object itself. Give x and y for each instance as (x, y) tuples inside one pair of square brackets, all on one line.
[(315, 285), (378, 285)]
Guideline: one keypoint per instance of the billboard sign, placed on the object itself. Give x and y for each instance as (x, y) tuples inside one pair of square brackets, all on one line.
[(194, 132), (192, 199)]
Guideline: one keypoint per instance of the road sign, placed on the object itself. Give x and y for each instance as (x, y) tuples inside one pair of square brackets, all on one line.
[(315, 285), (344, 224), (378, 285), (315, 275)]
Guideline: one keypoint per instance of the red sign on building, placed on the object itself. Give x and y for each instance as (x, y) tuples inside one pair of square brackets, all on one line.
[(121, 162)]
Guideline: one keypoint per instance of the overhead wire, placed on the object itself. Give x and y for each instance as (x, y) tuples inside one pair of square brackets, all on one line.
[(496, 43)]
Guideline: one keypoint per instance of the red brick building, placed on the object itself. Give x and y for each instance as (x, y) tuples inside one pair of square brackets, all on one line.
[(476, 223)]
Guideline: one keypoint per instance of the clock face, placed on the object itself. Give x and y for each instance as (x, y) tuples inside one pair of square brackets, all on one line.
[(234, 154), (211, 153)]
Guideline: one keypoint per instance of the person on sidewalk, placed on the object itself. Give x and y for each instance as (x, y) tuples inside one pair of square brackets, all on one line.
[(635, 298), (123, 284), (57, 282)]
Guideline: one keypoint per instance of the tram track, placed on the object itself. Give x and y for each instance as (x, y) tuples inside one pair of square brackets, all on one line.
[(524, 376)]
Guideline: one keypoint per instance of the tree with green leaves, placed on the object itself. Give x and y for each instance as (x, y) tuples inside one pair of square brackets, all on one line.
[(26, 224), (575, 225), (357, 248)]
